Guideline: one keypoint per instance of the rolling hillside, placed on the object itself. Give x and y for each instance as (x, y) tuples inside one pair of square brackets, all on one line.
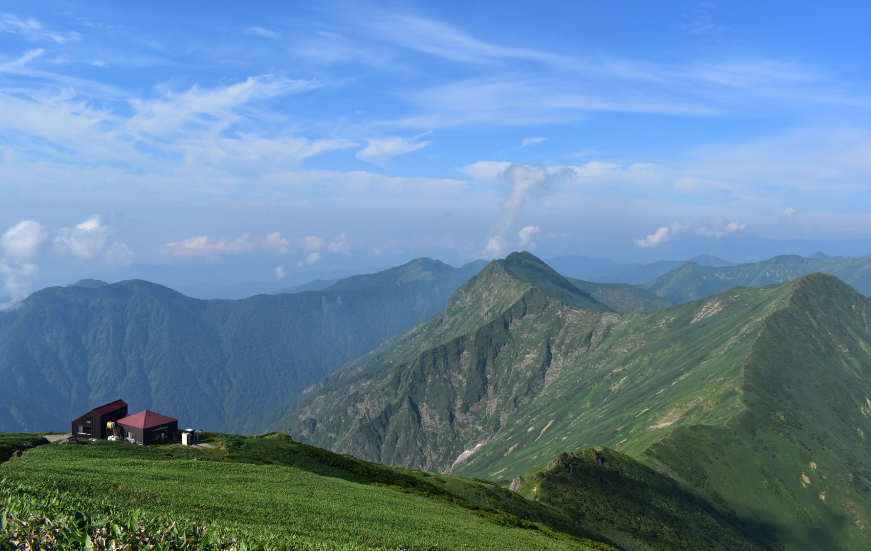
[(755, 400), (691, 280), (211, 364)]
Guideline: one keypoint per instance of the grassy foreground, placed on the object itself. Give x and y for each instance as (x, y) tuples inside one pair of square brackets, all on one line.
[(272, 491)]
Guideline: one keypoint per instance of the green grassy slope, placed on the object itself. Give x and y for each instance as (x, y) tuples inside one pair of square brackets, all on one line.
[(691, 281), (636, 506), (210, 364), (273, 490), (622, 297), (782, 372)]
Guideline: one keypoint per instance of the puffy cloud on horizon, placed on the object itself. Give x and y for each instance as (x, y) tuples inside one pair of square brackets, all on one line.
[(313, 243), (200, 246), (719, 231), (120, 254), (22, 242), (310, 259), (340, 245), (664, 233), (85, 240), (275, 242), (279, 272)]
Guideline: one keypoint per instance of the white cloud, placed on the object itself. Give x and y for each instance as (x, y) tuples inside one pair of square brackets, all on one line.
[(486, 170), (22, 242), (313, 243), (719, 230), (261, 32), (340, 245), (381, 150), (275, 242), (16, 280), (279, 272), (312, 258), (789, 212), (662, 234), (85, 240), (120, 254), (526, 234), (495, 246), (200, 246)]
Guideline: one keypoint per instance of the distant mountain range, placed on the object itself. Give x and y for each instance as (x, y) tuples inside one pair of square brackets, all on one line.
[(607, 271), (692, 280), (213, 364), (756, 399)]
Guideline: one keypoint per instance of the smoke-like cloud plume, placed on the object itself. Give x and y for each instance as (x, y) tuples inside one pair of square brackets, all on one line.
[(523, 180), (525, 235)]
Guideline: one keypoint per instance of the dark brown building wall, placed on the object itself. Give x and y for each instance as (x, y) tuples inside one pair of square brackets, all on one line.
[(94, 425), (160, 434), (152, 435), (82, 427)]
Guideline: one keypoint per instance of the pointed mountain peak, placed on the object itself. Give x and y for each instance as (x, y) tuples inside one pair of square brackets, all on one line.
[(530, 269)]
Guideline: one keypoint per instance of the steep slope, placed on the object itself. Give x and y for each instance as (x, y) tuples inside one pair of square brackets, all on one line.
[(622, 297), (387, 380), (755, 400), (211, 364), (691, 281)]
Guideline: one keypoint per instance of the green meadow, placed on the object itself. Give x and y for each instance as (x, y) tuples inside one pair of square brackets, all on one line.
[(272, 491)]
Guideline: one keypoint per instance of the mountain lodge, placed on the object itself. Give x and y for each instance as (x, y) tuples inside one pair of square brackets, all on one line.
[(111, 421)]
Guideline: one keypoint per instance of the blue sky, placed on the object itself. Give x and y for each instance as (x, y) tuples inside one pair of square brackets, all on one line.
[(246, 137)]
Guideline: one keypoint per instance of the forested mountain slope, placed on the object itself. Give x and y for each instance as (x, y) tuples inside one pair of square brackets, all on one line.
[(209, 363), (757, 399), (691, 280)]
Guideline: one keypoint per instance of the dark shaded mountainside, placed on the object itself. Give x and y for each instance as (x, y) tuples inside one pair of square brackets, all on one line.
[(750, 408), (210, 363), (693, 280)]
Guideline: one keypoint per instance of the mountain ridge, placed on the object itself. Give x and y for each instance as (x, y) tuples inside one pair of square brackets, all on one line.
[(202, 361), (502, 397)]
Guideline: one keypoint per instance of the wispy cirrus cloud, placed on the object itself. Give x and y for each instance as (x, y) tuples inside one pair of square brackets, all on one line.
[(261, 32), (381, 150), (33, 30)]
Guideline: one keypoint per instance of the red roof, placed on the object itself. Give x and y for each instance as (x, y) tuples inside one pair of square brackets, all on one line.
[(110, 407), (145, 420)]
